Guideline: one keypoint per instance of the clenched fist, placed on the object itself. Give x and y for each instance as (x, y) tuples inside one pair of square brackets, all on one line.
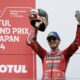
[(77, 15), (38, 19)]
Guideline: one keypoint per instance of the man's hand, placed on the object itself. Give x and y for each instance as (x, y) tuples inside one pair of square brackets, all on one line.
[(38, 19), (77, 15)]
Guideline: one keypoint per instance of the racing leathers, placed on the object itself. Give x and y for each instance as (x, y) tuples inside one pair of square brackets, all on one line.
[(54, 63)]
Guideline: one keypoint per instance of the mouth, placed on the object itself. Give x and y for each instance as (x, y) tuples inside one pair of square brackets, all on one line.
[(52, 43)]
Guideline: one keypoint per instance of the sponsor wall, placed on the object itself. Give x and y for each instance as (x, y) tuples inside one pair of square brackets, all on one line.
[(17, 60)]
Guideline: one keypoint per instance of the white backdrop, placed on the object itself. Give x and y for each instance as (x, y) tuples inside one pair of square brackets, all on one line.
[(61, 19)]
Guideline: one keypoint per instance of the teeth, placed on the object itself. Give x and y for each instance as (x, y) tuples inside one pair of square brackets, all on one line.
[(52, 43)]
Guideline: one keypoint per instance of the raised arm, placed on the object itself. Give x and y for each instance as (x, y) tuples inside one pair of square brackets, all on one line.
[(74, 46), (32, 42), (39, 21)]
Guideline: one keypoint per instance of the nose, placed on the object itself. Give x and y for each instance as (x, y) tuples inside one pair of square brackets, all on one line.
[(52, 40)]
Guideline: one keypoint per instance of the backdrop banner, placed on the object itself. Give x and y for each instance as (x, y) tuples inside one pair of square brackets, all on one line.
[(17, 59)]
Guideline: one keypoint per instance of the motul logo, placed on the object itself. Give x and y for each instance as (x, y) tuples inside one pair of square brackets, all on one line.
[(13, 69)]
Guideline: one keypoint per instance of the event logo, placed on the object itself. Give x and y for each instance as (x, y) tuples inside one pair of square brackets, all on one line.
[(17, 59), (5, 23), (10, 34), (13, 69)]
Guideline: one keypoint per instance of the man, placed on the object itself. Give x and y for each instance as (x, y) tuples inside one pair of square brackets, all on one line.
[(55, 62)]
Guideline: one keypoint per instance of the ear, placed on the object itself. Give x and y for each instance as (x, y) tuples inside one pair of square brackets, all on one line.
[(59, 42)]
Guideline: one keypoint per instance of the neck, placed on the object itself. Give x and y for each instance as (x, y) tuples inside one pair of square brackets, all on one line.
[(52, 50)]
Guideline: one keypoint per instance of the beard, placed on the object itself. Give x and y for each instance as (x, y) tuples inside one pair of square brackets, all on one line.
[(54, 45)]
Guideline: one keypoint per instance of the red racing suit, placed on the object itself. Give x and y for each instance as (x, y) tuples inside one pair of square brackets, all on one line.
[(54, 64)]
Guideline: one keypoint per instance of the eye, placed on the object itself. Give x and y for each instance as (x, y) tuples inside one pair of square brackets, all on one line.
[(51, 38), (54, 38)]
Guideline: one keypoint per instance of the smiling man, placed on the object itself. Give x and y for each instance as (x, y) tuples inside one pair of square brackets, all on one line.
[(56, 61)]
